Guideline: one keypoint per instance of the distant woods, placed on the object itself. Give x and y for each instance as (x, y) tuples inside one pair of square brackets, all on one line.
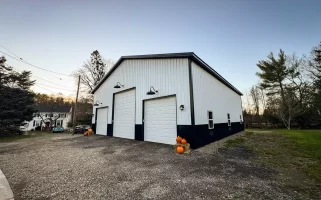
[(288, 94), (92, 71)]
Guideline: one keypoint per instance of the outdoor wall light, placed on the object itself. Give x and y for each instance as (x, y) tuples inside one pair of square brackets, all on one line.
[(97, 103), (181, 107), (118, 85), (152, 92)]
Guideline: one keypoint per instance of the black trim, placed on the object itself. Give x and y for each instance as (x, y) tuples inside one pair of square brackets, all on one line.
[(200, 135), (96, 118), (143, 116), (189, 55), (191, 93), (110, 129), (139, 132)]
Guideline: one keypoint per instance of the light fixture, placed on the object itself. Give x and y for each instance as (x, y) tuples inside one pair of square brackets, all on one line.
[(181, 107), (150, 92), (97, 103), (118, 85)]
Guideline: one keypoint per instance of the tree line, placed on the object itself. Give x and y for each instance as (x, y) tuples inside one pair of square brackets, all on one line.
[(288, 94)]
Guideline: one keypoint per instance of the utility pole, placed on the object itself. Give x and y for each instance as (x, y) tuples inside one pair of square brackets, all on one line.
[(75, 108)]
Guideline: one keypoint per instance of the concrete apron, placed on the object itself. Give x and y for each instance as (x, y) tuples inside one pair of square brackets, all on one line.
[(5, 190)]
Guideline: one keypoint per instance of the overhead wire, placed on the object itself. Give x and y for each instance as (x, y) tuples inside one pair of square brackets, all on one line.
[(49, 81), (23, 61), (46, 89), (39, 84), (18, 58), (55, 87)]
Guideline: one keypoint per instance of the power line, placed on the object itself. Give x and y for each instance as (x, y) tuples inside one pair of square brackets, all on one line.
[(55, 87), (42, 79), (20, 60), (47, 81), (11, 52), (45, 88)]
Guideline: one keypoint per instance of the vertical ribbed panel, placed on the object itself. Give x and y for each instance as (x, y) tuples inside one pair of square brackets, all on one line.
[(211, 94), (168, 76)]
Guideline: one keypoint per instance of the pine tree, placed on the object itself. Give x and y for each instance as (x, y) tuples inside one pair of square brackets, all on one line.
[(16, 102), (274, 73)]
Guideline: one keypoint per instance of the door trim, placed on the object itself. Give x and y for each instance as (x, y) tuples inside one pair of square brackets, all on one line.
[(113, 109), (96, 117), (143, 116)]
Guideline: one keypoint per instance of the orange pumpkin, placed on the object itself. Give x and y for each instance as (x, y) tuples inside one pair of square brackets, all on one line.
[(179, 139), (180, 150), (183, 141)]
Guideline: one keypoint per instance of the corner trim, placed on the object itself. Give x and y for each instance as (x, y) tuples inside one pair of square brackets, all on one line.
[(191, 93)]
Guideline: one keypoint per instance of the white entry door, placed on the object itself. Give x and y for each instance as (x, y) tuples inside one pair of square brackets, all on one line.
[(101, 123), (124, 114), (160, 120)]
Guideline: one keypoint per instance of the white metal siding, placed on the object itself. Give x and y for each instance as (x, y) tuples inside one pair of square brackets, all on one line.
[(124, 116), (169, 76), (101, 128), (160, 120), (211, 94)]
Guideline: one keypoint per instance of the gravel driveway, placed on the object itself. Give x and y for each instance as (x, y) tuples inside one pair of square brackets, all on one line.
[(100, 167)]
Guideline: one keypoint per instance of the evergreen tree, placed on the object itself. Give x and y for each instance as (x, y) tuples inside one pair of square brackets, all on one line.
[(16, 102), (274, 73)]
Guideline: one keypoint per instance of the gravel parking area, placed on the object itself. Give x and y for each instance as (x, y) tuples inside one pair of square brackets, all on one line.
[(99, 167)]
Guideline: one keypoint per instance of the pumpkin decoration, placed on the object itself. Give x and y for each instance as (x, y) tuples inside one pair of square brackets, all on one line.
[(180, 149), (183, 141), (179, 139)]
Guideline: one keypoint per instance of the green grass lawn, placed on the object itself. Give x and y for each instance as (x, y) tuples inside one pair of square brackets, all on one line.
[(31, 134), (295, 154)]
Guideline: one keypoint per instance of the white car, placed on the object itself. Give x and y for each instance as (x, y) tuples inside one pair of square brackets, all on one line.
[(23, 127)]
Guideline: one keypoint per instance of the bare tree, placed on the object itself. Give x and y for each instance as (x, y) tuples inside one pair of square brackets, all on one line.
[(93, 71), (255, 95), (263, 99)]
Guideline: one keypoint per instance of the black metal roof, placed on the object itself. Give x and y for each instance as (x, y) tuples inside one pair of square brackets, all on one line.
[(189, 55), (49, 108)]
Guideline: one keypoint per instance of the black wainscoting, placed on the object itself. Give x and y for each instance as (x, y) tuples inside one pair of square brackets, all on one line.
[(93, 127), (196, 135), (139, 132), (110, 129), (200, 135)]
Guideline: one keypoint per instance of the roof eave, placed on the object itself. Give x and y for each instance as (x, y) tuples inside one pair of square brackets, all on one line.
[(190, 55)]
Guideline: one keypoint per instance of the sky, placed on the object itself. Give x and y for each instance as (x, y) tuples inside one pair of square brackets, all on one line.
[(231, 35)]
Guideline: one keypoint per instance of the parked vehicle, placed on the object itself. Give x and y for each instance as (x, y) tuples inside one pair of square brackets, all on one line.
[(23, 127), (57, 129), (81, 129)]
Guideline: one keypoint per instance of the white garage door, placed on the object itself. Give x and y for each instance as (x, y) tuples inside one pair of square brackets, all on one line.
[(160, 120), (124, 116), (101, 124)]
